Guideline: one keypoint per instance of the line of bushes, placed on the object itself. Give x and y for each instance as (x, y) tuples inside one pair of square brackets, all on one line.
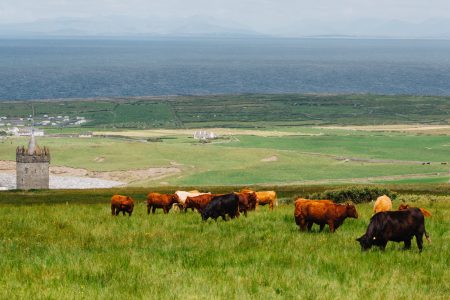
[(355, 194)]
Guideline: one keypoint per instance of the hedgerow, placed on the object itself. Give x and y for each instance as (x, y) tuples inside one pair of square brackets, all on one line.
[(355, 194)]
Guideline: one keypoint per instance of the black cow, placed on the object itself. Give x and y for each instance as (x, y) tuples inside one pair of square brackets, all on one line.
[(221, 205), (396, 226)]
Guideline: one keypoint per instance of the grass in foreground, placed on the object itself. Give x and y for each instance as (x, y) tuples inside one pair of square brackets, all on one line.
[(80, 251)]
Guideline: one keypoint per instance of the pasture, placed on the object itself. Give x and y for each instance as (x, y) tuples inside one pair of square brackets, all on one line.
[(73, 250), (278, 156), (245, 111)]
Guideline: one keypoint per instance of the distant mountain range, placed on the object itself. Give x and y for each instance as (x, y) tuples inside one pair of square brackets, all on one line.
[(124, 26), (207, 26)]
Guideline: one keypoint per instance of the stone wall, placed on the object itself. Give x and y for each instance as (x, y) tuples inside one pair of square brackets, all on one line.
[(32, 175)]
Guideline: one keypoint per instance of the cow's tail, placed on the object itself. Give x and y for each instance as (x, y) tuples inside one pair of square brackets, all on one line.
[(425, 212)]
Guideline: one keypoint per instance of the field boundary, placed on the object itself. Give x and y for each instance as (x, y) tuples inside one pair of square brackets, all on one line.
[(285, 192)]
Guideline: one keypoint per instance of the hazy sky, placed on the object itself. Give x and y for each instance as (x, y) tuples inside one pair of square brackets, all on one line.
[(266, 16)]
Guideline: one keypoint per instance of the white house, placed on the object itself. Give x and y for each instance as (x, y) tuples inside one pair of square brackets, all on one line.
[(204, 135), (25, 131)]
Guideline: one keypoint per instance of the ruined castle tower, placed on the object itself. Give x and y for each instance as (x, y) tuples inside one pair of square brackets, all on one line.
[(32, 165)]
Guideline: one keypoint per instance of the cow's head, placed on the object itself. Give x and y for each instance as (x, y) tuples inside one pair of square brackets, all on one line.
[(365, 242), (351, 211)]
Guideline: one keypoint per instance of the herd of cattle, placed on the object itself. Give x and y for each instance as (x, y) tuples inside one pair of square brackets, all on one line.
[(385, 225), (207, 204)]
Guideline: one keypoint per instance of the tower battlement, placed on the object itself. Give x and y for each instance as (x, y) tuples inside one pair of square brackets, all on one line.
[(39, 155)]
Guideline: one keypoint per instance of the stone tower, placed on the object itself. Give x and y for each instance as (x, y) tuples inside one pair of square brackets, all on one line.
[(32, 165)]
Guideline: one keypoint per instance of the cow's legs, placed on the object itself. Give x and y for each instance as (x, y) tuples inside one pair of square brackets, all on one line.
[(331, 224), (123, 212), (165, 210), (322, 225), (302, 224), (271, 205), (129, 213), (148, 209), (117, 211), (223, 217), (383, 245), (113, 210), (419, 240), (310, 224), (407, 244), (153, 209)]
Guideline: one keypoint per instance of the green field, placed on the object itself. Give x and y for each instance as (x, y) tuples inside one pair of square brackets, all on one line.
[(331, 157), (248, 111), (66, 251), (63, 244)]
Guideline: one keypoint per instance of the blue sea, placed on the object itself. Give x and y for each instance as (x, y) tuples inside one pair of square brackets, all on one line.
[(71, 68)]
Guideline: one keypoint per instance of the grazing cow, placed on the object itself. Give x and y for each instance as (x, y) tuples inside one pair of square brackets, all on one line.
[(222, 205), (396, 226), (164, 201), (247, 201), (122, 204), (198, 202), (266, 197), (252, 198), (299, 203), (182, 195), (383, 203), (425, 212), (322, 212)]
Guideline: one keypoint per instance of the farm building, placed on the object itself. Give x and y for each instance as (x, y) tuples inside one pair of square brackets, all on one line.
[(25, 131), (204, 135)]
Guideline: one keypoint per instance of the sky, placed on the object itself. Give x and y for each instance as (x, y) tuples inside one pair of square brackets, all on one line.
[(273, 17)]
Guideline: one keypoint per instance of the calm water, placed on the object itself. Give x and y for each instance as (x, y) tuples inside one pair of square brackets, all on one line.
[(33, 69)]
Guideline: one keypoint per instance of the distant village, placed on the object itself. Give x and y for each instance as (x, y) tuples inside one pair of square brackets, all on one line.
[(21, 126)]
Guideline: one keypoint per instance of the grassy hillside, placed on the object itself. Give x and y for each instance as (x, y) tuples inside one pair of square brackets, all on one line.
[(80, 251), (242, 110)]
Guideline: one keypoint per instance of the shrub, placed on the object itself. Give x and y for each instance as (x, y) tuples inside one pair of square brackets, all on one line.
[(356, 194)]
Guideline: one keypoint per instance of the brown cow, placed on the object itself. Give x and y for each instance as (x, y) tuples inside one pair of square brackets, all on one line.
[(164, 201), (321, 212), (198, 202), (122, 204), (247, 201), (182, 195), (425, 212), (264, 197), (252, 199), (299, 202), (267, 197), (383, 203)]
